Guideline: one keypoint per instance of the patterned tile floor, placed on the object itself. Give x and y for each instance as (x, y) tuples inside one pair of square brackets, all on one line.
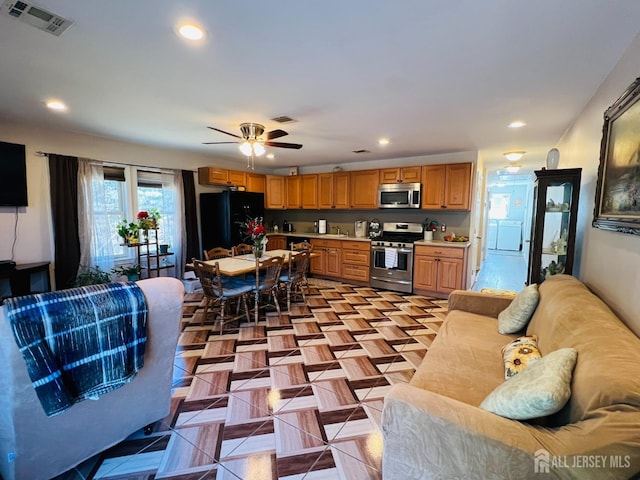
[(296, 397)]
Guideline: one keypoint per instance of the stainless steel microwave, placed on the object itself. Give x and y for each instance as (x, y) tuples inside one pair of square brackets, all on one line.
[(399, 195)]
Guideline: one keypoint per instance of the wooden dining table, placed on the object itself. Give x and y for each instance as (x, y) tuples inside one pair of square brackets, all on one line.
[(241, 264)]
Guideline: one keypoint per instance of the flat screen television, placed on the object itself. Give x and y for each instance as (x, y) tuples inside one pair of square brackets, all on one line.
[(13, 175)]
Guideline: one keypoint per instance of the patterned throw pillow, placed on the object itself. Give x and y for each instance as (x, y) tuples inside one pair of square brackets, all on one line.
[(520, 353), (540, 390), (516, 316)]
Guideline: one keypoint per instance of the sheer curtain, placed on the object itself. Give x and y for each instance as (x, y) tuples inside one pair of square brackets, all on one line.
[(173, 216), (94, 229)]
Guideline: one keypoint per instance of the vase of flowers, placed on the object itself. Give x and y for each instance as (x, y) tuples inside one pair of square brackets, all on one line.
[(257, 233)]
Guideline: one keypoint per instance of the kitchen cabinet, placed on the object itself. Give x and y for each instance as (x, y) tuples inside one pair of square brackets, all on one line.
[(277, 242), (221, 176), (327, 263), (309, 191), (439, 270), (275, 195), (293, 198), (333, 190), (400, 175), (256, 183), (356, 258), (363, 189), (447, 186), (553, 230)]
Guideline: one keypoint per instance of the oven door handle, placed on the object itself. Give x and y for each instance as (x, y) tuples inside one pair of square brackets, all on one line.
[(399, 250)]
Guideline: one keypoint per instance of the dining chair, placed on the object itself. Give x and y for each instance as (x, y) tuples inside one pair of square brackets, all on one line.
[(267, 282), (217, 252), (217, 292), (295, 279), (241, 249), (304, 245)]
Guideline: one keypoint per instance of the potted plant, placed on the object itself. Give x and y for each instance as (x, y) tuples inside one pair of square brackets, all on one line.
[(132, 272), (90, 276), (128, 231)]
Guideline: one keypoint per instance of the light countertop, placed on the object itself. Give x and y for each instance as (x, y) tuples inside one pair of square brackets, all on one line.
[(328, 236), (443, 243)]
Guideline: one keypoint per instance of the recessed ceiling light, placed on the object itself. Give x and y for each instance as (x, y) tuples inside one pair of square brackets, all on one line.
[(191, 31), (383, 141), (516, 124), (270, 156), (56, 105)]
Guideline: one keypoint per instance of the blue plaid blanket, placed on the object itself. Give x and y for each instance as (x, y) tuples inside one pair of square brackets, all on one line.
[(80, 343)]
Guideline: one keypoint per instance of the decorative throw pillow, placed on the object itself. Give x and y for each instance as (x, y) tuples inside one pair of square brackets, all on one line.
[(516, 316), (540, 390), (520, 353)]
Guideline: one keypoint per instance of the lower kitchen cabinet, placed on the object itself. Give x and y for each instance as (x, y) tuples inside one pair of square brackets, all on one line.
[(277, 242), (328, 261), (439, 270), (356, 257)]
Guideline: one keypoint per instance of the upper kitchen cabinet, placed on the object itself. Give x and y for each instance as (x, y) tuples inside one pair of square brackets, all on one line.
[(309, 191), (333, 190), (221, 176), (447, 186), (363, 189), (400, 175), (275, 195), (293, 198), (256, 183)]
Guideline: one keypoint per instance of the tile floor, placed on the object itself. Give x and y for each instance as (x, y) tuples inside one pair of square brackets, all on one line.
[(296, 397), (502, 270)]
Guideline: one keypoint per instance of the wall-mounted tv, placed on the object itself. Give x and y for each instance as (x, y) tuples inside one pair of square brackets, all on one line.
[(13, 175)]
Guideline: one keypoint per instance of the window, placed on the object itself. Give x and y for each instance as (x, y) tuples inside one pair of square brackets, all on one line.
[(499, 206), (108, 195)]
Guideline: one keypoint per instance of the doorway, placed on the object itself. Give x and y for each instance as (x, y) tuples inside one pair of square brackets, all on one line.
[(508, 213)]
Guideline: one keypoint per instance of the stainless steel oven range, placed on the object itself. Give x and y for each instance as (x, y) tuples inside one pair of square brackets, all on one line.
[(392, 256)]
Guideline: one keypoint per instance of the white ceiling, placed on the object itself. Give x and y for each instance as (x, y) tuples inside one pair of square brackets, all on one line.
[(434, 76)]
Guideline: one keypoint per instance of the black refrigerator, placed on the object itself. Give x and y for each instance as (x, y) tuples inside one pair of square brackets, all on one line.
[(220, 214)]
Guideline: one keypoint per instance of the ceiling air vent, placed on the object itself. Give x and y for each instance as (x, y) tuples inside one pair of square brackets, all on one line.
[(284, 119), (361, 150), (35, 16)]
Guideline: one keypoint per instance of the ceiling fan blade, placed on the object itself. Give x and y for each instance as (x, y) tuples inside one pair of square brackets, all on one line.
[(222, 131), (275, 134), (216, 143), (297, 146)]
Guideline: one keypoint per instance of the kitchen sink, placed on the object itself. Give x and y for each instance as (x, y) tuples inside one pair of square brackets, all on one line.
[(334, 235)]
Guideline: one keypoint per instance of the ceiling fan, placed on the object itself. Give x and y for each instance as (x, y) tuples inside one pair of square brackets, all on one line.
[(254, 139)]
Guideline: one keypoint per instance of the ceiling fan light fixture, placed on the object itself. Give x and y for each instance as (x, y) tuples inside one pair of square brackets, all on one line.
[(245, 148), (258, 149), (514, 156)]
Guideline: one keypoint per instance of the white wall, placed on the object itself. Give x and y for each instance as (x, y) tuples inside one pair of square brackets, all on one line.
[(34, 232), (608, 262)]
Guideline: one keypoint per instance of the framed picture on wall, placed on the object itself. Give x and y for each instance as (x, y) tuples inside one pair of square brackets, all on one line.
[(617, 203)]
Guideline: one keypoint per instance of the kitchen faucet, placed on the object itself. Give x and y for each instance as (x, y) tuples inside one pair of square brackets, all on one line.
[(337, 229)]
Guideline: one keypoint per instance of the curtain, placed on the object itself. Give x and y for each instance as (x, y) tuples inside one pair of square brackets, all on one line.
[(63, 174), (173, 216), (190, 216), (95, 227)]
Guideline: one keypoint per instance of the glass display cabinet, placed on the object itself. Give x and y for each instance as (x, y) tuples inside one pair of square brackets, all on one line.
[(553, 230)]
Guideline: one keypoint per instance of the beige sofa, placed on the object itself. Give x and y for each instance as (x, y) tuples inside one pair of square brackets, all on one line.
[(433, 427), (34, 446)]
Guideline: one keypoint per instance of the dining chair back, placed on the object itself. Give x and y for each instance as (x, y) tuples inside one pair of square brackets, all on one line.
[(295, 280), (217, 252), (304, 245), (267, 282), (217, 292), (241, 249)]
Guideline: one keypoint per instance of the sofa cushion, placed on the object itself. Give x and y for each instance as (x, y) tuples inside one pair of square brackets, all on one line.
[(569, 315), (517, 355), (516, 316), (463, 362), (540, 390)]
